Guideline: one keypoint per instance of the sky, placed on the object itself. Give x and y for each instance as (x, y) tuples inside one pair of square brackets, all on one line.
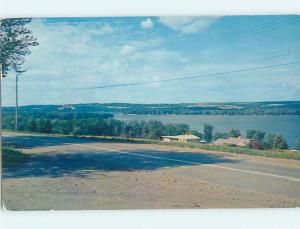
[(96, 60)]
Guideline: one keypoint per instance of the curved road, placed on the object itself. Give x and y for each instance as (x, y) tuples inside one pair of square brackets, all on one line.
[(142, 176)]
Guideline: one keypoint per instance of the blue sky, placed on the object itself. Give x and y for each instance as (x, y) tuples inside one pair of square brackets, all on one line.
[(79, 53)]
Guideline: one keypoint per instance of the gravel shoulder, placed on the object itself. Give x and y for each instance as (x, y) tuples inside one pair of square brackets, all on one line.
[(130, 190)]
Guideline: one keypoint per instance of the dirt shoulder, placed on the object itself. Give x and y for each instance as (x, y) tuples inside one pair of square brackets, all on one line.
[(129, 190)]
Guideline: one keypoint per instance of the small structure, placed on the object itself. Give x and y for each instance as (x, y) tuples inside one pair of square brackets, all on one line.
[(233, 141), (180, 138)]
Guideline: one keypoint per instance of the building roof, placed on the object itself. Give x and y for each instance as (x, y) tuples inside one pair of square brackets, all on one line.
[(184, 136)]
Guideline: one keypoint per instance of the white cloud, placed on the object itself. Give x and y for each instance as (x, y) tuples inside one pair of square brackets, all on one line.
[(127, 49), (160, 58), (105, 29), (188, 24), (147, 24)]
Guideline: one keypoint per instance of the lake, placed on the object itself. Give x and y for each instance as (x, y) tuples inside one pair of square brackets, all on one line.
[(288, 126)]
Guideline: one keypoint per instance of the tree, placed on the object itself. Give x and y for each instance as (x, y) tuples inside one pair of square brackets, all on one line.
[(32, 126), (235, 133), (219, 135), (298, 142), (45, 126), (48, 126), (208, 133), (128, 130), (260, 136), (279, 142), (250, 133), (269, 141), (65, 127), (256, 135), (15, 41)]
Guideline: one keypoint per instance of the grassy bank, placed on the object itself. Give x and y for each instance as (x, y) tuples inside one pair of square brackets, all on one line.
[(287, 154), (12, 157)]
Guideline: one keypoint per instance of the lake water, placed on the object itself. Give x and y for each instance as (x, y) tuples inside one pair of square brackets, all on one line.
[(288, 126)]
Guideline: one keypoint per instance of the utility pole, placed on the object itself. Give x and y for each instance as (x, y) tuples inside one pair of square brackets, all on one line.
[(17, 103), (1, 136)]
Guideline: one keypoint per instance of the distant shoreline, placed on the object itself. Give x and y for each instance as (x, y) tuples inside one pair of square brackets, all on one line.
[(230, 108), (110, 103), (116, 114)]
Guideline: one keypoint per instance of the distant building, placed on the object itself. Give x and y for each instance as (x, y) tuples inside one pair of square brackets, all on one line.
[(180, 138), (233, 141)]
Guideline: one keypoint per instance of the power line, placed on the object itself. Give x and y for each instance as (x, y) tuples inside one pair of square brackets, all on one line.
[(272, 57), (237, 36), (244, 63), (187, 77)]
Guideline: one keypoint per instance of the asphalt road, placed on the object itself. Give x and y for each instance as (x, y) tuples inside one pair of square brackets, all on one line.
[(55, 157)]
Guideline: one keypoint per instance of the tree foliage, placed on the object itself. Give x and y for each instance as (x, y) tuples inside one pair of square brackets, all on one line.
[(219, 135), (15, 41), (92, 125), (235, 133), (250, 133), (279, 142), (298, 142), (257, 135), (103, 124), (208, 133)]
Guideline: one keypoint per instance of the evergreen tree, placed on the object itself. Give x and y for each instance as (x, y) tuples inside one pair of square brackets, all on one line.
[(208, 133)]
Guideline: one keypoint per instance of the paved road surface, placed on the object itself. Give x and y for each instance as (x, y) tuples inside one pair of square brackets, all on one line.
[(232, 180)]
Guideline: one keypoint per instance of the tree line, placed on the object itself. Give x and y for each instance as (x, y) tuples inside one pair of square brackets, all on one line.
[(79, 124), (105, 125)]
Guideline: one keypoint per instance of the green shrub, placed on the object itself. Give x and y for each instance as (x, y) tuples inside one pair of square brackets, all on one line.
[(13, 157)]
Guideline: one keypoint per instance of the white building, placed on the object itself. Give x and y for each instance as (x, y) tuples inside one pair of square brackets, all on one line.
[(180, 138)]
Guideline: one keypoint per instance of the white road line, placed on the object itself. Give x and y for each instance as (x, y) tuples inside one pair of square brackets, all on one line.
[(194, 163), (189, 162)]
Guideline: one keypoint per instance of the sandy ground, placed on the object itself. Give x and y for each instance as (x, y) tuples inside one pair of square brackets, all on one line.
[(85, 176)]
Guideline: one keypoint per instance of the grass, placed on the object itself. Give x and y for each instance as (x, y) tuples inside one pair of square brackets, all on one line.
[(12, 157)]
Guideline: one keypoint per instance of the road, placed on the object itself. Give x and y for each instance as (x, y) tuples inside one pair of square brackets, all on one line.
[(77, 173)]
